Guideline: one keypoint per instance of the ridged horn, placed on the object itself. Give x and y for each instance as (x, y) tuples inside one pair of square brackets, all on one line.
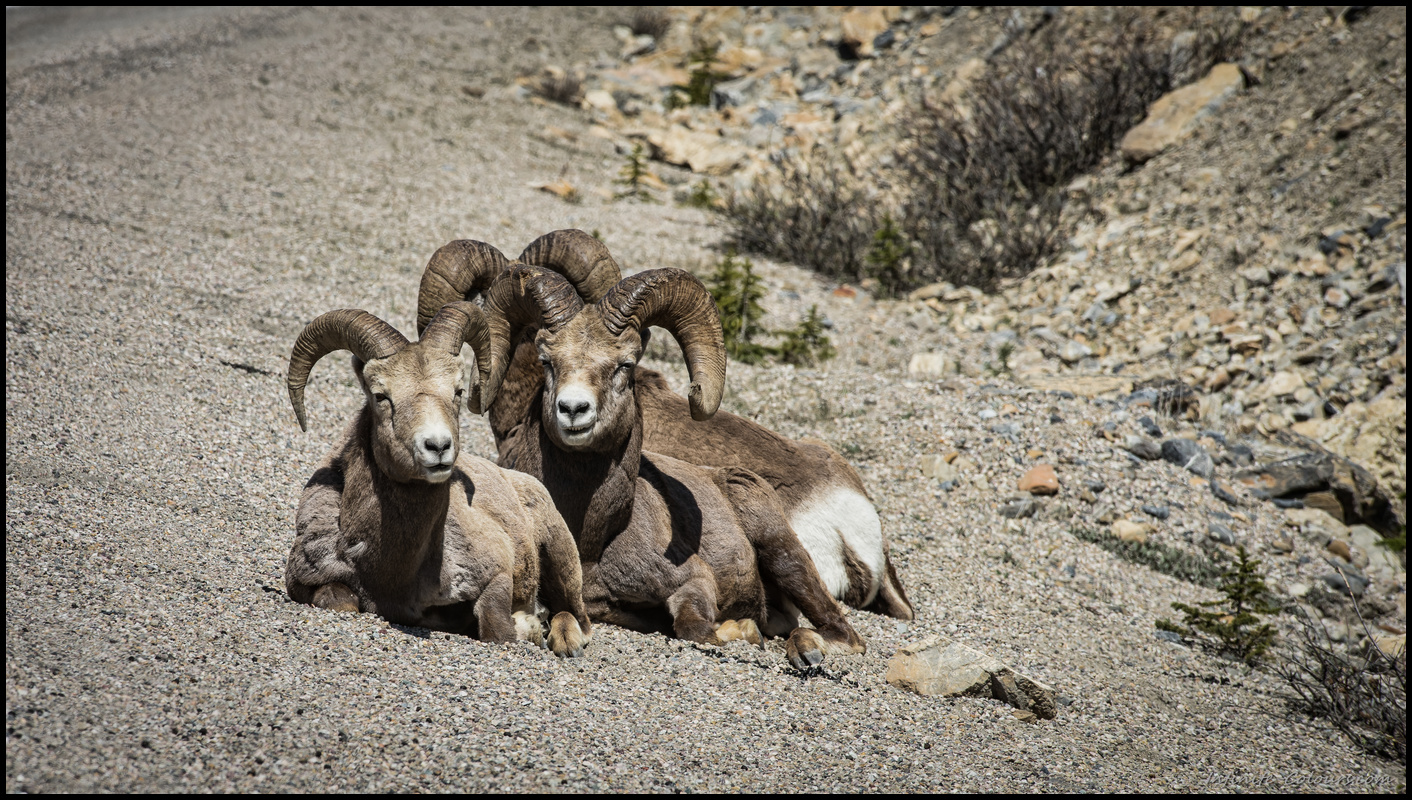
[(458, 271), (580, 258), (674, 299), (524, 296), (458, 323), (350, 329)]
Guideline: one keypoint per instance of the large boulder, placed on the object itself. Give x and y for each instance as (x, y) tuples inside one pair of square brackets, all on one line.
[(1355, 489), (940, 666)]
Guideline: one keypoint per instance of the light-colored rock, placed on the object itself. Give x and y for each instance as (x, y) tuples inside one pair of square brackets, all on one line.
[(1390, 643), (1283, 383), (1313, 519), (701, 151), (1072, 351), (936, 466), (601, 100), (863, 24), (942, 667), (929, 364), (1129, 531), (1174, 115), (1039, 480)]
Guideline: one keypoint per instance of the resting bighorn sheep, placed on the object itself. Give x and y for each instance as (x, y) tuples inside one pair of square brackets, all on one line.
[(665, 545), (822, 495), (398, 521)]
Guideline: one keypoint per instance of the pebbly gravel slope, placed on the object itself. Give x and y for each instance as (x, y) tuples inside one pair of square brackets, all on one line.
[(182, 196)]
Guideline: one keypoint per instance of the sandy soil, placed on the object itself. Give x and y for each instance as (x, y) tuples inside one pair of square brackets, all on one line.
[(184, 191)]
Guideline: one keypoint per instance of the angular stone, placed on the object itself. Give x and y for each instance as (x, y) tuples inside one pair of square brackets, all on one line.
[(1129, 531), (1355, 489), (699, 150), (1145, 449), (862, 25), (941, 667), (1176, 114), (1188, 455), (1018, 509), (929, 364), (937, 467), (1039, 480)]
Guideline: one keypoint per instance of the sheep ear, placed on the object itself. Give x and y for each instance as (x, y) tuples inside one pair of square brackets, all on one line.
[(357, 364)]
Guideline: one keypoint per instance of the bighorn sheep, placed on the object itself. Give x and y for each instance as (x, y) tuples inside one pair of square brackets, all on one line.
[(398, 521), (665, 545), (822, 495)]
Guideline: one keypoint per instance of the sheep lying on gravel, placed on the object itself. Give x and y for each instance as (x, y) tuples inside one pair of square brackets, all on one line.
[(665, 545), (822, 495), (397, 521)]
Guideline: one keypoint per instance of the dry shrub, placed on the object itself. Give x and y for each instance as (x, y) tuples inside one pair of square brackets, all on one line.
[(561, 88), (815, 215), (1366, 699), (978, 183), (651, 20)]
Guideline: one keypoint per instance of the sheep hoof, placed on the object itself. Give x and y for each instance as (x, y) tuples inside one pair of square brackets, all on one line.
[(528, 628), (566, 638), (740, 630), (335, 597), (804, 648)]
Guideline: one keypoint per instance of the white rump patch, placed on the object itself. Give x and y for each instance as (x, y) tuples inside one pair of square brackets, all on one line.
[(830, 517)]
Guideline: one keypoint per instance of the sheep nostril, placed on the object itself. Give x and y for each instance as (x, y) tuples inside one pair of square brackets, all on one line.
[(437, 444), (573, 409)]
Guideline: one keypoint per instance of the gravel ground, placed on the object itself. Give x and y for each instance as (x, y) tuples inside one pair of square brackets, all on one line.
[(182, 195)]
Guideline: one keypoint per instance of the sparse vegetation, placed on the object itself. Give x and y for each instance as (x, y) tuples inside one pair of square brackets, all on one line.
[(890, 258), (1001, 364), (702, 195), (1365, 698), (1156, 556), (565, 88), (805, 344), (978, 186), (1232, 625), (632, 177), (737, 291), (703, 78), (649, 20)]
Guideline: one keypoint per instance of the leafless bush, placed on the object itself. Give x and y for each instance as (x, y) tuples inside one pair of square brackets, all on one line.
[(1365, 698), (980, 180), (565, 88), (651, 20), (816, 215), (986, 177)]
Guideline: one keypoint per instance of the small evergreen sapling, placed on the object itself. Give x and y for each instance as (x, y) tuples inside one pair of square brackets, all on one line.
[(737, 291), (805, 344), (1232, 625), (633, 176), (888, 258)]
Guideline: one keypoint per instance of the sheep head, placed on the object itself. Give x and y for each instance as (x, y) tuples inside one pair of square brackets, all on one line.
[(589, 352), (413, 390)]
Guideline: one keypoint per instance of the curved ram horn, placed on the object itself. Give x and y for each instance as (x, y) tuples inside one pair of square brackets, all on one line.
[(524, 296), (458, 271), (463, 322), (350, 329), (580, 258), (674, 299)]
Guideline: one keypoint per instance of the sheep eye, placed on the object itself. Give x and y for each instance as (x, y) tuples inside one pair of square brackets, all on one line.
[(460, 391), (626, 367), (379, 397)]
